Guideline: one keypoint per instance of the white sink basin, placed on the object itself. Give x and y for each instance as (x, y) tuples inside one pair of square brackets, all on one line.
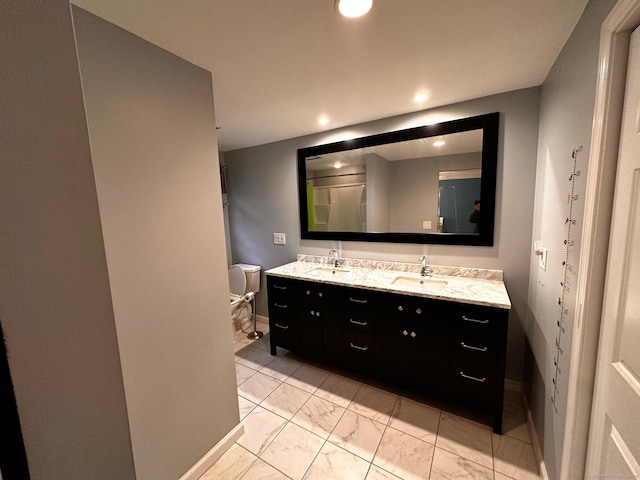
[(329, 272), (420, 282)]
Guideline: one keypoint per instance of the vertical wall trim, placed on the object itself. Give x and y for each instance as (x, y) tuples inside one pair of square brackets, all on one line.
[(614, 46)]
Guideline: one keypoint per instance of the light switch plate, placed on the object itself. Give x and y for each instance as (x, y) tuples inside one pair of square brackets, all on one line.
[(279, 239), (542, 259)]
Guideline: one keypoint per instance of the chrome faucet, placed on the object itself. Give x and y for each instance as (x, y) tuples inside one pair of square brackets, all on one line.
[(424, 271), (337, 261)]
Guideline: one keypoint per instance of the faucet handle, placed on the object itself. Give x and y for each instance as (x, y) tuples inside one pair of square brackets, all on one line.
[(337, 261), (424, 271)]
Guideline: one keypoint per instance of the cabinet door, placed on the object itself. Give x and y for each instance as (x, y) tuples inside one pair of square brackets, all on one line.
[(414, 343), (316, 304), (428, 345), (393, 340), (333, 340)]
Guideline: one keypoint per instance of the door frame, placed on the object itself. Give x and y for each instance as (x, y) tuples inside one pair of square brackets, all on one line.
[(600, 184)]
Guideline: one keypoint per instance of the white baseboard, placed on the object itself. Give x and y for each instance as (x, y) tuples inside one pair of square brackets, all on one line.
[(214, 454), (537, 451)]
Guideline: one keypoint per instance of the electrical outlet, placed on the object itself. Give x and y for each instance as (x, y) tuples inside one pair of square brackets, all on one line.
[(279, 239), (542, 260), (426, 224)]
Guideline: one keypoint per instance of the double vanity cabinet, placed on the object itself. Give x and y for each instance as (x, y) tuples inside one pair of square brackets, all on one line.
[(408, 335)]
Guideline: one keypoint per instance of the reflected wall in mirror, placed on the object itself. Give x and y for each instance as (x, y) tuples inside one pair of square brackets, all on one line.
[(420, 185), (458, 191)]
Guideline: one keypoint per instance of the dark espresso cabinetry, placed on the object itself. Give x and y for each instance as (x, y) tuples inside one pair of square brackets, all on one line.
[(453, 350), (413, 342)]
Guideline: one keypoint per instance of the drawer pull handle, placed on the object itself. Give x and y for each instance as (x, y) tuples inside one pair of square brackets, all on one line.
[(279, 287), (471, 347), (364, 349), (474, 320), (351, 299), (471, 377), (279, 306), (283, 327), (363, 324)]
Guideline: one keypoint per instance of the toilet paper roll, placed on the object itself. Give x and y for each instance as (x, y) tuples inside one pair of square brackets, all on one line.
[(249, 296)]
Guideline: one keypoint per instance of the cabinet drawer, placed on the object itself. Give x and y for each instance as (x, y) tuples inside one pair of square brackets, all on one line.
[(358, 301), (482, 363), (474, 350), (480, 325), (357, 310), (283, 330), (358, 323), (359, 349), (281, 291), (473, 384)]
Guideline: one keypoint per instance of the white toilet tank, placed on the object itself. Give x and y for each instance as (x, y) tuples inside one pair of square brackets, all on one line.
[(244, 278)]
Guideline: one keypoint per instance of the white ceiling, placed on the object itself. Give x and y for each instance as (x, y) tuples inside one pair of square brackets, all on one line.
[(278, 65)]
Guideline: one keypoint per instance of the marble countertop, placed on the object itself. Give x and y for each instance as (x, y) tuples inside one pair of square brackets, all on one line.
[(464, 285)]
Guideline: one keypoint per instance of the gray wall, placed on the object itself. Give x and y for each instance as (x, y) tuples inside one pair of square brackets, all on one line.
[(264, 199), (377, 193), (566, 113), (416, 182), (55, 301), (152, 131)]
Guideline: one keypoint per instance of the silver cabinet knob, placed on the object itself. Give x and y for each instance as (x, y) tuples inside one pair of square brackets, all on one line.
[(320, 294), (405, 333), (418, 311), (308, 292), (317, 314), (413, 335), (312, 312), (400, 308)]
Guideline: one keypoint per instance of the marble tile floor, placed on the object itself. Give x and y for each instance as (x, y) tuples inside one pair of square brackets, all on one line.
[(304, 420)]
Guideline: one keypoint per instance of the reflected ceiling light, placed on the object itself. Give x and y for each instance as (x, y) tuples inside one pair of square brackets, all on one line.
[(353, 8), (438, 143), (323, 120), (336, 165), (421, 97)]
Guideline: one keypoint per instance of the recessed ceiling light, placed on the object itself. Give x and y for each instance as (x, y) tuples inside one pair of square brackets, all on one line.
[(421, 97), (323, 120), (438, 143), (353, 8)]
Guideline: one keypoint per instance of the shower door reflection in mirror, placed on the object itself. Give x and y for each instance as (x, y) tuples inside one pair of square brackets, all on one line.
[(459, 201)]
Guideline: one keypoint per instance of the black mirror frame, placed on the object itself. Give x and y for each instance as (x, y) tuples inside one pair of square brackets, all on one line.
[(489, 123)]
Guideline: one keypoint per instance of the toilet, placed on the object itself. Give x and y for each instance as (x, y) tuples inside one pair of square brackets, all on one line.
[(244, 283)]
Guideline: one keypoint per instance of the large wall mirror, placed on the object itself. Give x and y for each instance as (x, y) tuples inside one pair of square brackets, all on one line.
[(430, 184)]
